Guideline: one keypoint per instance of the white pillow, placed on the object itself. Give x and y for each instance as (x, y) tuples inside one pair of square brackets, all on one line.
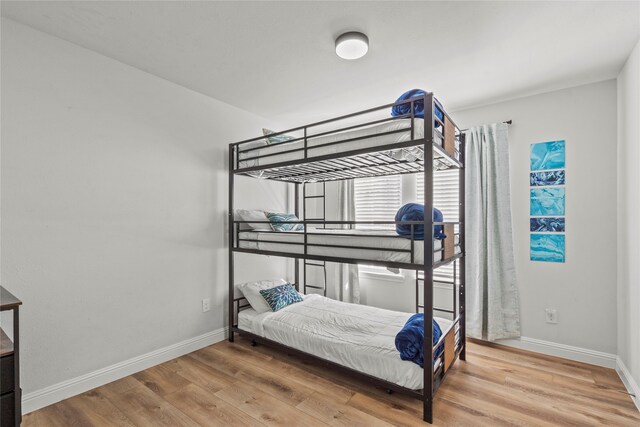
[(247, 215), (251, 291)]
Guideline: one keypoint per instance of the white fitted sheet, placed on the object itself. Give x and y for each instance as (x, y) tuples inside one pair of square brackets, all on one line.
[(356, 336), (410, 153), (382, 248)]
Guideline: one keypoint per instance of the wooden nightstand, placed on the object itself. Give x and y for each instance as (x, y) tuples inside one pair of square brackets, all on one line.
[(10, 392)]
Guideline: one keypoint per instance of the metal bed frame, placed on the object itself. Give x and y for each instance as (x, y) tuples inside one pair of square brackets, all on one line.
[(375, 160)]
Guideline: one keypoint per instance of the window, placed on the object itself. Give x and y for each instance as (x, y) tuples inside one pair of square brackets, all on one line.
[(379, 198), (445, 192)]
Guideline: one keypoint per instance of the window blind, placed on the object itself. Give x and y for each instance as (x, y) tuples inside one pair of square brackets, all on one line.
[(377, 199), (445, 198), (445, 192)]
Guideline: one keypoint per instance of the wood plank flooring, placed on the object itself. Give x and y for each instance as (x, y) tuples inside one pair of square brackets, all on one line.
[(239, 385)]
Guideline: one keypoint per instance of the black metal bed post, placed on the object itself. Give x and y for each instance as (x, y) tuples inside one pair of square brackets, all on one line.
[(461, 264), (324, 207), (413, 119), (304, 217), (428, 259), (324, 226), (296, 210), (454, 290), (417, 291), (231, 241)]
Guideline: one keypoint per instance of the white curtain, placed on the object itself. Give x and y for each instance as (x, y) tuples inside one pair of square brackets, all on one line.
[(492, 303), (344, 284)]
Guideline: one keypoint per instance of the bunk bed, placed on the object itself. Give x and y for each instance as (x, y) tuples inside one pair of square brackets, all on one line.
[(347, 147)]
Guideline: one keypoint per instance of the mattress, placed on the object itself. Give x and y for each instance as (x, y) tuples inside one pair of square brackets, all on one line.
[(385, 244), (352, 335), (281, 152)]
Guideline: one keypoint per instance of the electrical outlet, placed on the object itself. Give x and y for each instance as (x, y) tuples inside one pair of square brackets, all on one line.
[(551, 315), (206, 305)]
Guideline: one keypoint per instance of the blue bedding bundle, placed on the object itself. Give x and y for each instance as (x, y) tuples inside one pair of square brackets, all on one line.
[(415, 212), (418, 106), (410, 339)]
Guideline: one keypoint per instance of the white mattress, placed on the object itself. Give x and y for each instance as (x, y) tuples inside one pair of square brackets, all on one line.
[(410, 153), (382, 248), (352, 335)]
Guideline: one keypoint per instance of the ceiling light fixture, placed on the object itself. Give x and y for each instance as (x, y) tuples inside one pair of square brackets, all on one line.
[(352, 45)]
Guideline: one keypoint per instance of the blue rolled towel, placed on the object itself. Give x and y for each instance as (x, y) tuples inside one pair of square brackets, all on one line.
[(410, 339), (415, 212), (418, 106)]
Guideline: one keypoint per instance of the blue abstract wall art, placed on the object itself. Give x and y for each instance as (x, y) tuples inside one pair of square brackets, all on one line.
[(547, 201), (537, 179), (548, 247), (549, 225), (547, 155)]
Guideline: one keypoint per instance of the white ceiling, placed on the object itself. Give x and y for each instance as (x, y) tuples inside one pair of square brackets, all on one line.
[(277, 59)]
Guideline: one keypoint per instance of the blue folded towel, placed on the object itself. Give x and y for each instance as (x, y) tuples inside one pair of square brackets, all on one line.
[(410, 339), (415, 212), (418, 106)]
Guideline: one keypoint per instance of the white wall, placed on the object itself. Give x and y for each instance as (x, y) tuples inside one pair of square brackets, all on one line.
[(583, 289), (114, 199), (628, 216)]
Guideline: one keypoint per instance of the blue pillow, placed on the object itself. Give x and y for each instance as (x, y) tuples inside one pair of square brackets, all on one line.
[(418, 106), (415, 212), (280, 296), (275, 139), (279, 221)]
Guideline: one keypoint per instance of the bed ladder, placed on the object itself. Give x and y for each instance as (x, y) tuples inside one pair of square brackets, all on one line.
[(453, 283), (313, 263)]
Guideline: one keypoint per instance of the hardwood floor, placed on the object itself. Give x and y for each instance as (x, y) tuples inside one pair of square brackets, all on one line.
[(238, 385)]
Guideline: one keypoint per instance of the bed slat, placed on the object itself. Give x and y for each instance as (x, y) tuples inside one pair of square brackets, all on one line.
[(449, 137), (449, 242), (449, 348)]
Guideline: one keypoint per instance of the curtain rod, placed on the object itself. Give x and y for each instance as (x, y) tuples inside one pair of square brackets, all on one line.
[(508, 122)]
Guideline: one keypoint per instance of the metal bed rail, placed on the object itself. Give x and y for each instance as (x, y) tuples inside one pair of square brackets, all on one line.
[(426, 98), (344, 162), (306, 244)]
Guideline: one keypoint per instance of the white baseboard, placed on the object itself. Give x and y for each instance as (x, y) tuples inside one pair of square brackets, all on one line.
[(628, 381), (578, 354), (63, 390)]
